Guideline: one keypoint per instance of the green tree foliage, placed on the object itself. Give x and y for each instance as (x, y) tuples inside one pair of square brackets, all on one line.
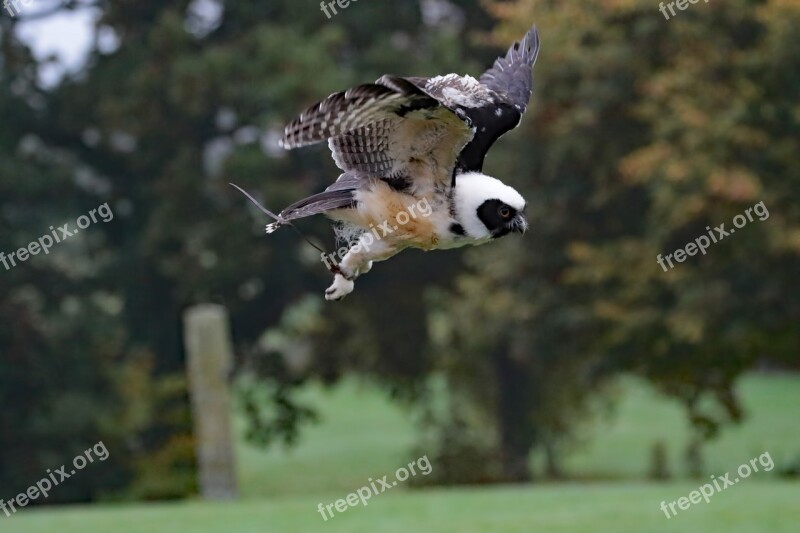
[(157, 126), (644, 132)]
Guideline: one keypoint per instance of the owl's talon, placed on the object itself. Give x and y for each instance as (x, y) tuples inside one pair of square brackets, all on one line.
[(340, 288)]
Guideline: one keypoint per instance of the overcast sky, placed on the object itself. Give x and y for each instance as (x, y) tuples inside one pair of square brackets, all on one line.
[(68, 36)]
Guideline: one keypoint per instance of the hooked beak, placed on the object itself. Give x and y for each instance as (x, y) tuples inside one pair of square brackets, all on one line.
[(520, 223)]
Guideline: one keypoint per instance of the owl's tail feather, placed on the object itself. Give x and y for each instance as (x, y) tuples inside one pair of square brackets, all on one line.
[(280, 221)]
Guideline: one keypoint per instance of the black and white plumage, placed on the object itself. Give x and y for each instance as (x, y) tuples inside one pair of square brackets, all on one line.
[(403, 141)]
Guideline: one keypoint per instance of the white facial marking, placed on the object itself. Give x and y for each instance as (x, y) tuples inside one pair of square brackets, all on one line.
[(471, 191)]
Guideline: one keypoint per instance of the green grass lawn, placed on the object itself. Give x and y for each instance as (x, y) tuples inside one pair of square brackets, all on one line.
[(363, 435), (643, 417), (360, 435), (754, 506)]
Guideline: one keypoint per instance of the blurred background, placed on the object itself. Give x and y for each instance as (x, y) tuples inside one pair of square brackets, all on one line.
[(561, 381)]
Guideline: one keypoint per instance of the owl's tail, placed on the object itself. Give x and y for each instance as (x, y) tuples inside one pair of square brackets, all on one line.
[(281, 221), (273, 226)]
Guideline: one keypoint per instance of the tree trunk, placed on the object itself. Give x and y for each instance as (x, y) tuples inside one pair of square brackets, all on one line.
[(516, 429), (552, 466)]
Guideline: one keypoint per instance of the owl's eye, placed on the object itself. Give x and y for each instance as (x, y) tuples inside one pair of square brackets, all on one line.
[(504, 211)]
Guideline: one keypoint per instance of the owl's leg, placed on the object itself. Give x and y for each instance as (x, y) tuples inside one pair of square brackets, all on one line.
[(357, 261)]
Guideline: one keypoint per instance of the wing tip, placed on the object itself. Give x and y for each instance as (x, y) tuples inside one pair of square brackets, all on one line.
[(287, 143), (527, 47)]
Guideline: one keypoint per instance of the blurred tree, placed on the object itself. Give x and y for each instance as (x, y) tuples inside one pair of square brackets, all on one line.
[(59, 339), (644, 132), (176, 99)]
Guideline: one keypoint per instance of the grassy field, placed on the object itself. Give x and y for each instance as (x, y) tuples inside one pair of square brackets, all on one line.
[(363, 435), (748, 508)]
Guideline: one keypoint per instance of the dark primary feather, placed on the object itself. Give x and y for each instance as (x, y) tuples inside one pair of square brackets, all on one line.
[(489, 126), (508, 86), (511, 75), (511, 80)]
